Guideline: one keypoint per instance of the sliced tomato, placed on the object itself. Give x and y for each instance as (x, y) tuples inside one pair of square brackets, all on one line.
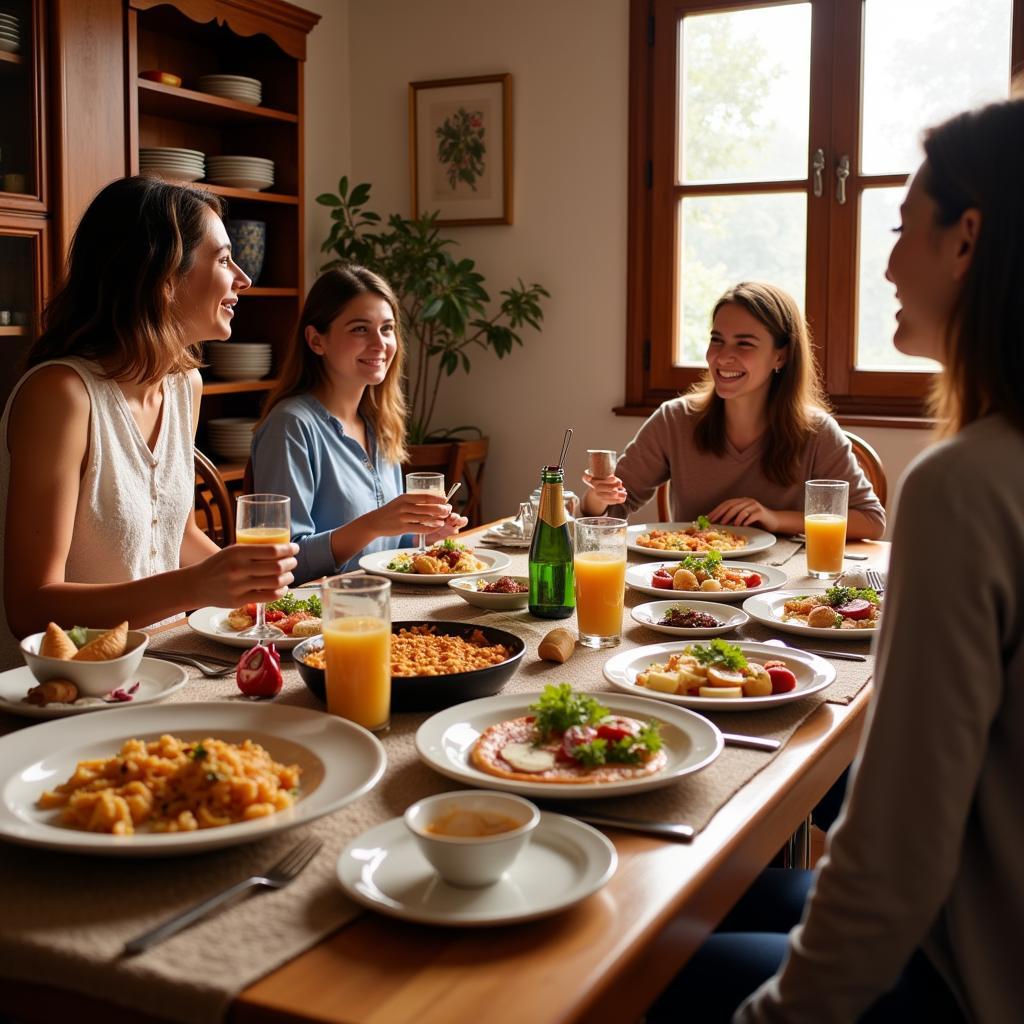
[(753, 580), (662, 579), (858, 608), (782, 678), (615, 727), (271, 615), (577, 735), (288, 624)]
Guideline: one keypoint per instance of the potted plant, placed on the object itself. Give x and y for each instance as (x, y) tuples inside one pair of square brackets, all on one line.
[(446, 310)]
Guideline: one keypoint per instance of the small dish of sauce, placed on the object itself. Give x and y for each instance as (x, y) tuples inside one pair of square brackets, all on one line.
[(467, 824)]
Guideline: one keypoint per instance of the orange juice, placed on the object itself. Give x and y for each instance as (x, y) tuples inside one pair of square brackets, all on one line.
[(264, 535), (600, 584), (826, 542), (358, 678)]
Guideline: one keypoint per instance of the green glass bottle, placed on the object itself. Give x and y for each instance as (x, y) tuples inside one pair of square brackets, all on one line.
[(552, 593)]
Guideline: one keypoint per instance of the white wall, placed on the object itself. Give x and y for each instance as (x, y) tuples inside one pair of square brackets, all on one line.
[(569, 62)]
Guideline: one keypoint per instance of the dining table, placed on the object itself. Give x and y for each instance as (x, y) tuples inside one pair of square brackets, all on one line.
[(309, 954)]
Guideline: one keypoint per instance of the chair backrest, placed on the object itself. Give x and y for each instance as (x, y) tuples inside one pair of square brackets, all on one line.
[(248, 487), (868, 459), (214, 509)]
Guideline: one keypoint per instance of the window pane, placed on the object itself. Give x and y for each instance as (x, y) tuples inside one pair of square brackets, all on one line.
[(744, 94), (728, 239), (876, 297), (925, 60)]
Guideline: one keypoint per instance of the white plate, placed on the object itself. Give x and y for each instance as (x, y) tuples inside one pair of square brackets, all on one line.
[(174, 175), (757, 540), (9, 47), (564, 862), (377, 562), (256, 184), (340, 761), (639, 578), (213, 624), (466, 589), (812, 674), (170, 151), (157, 679), (651, 614), (767, 609), (444, 741)]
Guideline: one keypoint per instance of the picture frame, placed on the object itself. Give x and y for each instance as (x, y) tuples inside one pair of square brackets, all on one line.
[(460, 149)]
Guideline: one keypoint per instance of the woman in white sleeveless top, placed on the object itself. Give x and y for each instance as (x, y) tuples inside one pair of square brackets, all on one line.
[(96, 459)]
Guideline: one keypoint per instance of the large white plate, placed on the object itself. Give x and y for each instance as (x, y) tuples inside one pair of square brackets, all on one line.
[(812, 674), (156, 679), (757, 540), (564, 862), (213, 624), (340, 762), (377, 564), (639, 578), (767, 609), (651, 614), (444, 742)]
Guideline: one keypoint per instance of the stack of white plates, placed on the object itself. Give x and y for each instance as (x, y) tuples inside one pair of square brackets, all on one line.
[(10, 36), (231, 438), (241, 171), (233, 360), (232, 87), (170, 162)]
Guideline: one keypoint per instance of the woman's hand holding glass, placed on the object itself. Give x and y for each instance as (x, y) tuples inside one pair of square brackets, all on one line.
[(416, 512), (607, 489), (242, 574)]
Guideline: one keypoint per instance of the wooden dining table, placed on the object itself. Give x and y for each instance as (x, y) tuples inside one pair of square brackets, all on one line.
[(605, 959)]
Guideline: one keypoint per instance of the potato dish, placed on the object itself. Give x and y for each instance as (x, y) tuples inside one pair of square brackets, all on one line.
[(442, 559), (718, 670), (705, 573), (838, 608), (701, 536)]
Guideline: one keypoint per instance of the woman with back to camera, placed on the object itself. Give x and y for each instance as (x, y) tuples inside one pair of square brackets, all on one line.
[(739, 446), (916, 911), (96, 458), (332, 435)]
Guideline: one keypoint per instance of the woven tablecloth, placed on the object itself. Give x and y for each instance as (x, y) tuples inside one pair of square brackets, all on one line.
[(65, 918)]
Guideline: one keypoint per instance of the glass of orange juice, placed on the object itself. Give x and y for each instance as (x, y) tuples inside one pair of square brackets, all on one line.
[(357, 648), (599, 565), (825, 503), (263, 519)]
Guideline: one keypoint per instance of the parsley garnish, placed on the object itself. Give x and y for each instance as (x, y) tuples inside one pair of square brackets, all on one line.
[(835, 596), (289, 604), (718, 652), (200, 753), (558, 708), (591, 754), (703, 523), (708, 563)]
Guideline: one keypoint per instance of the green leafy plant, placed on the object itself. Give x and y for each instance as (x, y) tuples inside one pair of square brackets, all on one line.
[(446, 310)]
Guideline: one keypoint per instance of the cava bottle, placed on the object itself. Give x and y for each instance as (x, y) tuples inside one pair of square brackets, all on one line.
[(552, 593)]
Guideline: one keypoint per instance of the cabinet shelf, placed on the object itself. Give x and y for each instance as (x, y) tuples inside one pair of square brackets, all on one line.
[(236, 193), (190, 105), (234, 387), (11, 63), (13, 331)]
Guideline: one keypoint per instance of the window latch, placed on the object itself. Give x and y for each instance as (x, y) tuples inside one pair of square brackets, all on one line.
[(842, 173), (817, 172)]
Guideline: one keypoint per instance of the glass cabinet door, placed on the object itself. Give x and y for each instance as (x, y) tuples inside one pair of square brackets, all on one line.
[(21, 141), (22, 285)]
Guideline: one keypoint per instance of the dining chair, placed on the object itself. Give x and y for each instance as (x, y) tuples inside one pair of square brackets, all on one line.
[(248, 487), (214, 507), (867, 458)]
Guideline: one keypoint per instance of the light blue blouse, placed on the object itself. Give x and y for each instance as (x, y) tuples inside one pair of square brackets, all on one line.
[(302, 450)]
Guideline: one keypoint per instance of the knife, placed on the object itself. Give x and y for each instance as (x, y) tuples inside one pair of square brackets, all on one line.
[(837, 655), (665, 829)]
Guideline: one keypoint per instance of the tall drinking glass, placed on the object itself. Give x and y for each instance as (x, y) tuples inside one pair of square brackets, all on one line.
[(600, 571), (424, 483), (357, 645), (263, 519), (825, 504)]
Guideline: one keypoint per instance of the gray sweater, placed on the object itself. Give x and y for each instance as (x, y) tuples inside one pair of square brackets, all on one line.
[(929, 849)]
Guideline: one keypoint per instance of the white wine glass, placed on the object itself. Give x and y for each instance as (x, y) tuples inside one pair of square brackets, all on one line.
[(263, 519), (424, 483)]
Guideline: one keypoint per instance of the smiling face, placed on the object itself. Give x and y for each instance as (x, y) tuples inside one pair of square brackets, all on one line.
[(360, 344), (205, 297), (741, 355)]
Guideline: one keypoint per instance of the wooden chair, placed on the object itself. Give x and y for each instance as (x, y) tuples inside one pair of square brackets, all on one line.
[(214, 507), (868, 459)]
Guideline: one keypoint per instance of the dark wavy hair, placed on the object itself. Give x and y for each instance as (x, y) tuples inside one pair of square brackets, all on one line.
[(976, 161), (383, 405), (795, 392), (137, 238)]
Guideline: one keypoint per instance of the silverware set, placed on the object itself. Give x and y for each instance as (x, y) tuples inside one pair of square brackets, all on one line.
[(209, 665)]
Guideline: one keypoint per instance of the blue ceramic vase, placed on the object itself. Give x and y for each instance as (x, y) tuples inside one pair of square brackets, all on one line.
[(248, 245)]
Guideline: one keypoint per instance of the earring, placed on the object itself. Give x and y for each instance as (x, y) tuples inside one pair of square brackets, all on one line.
[(778, 369)]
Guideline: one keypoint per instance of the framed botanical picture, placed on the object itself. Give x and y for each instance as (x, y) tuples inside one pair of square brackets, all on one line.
[(460, 145)]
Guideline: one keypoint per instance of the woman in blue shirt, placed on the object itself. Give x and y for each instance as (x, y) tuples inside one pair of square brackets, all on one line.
[(332, 435)]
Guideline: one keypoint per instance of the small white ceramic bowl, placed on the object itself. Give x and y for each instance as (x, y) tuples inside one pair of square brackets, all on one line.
[(93, 678), (471, 861), (466, 586)]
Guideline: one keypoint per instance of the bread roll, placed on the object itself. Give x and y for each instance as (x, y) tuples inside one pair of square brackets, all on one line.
[(558, 646), (57, 644), (105, 647)]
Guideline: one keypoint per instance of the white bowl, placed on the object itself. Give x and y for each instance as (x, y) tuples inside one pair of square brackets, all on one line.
[(93, 678), (471, 861), (466, 588)]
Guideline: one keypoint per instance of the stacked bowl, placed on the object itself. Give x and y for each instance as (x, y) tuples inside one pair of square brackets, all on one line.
[(235, 360), (172, 162), (255, 172), (10, 35), (231, 437), (232, 87)]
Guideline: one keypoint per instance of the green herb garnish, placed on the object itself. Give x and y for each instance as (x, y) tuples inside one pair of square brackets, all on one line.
[(703, 523), (707, 563), (591, 754), (558, 708), (718, 652), (289, 604), (78, 636), (200, 753), (835, 596)]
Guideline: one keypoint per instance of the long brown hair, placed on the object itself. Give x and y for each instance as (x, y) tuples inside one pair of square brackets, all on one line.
[(137, 238), (976, 161), (382, 405), (794, 393)]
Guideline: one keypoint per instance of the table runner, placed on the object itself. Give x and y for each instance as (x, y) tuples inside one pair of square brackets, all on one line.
[(66, 917)]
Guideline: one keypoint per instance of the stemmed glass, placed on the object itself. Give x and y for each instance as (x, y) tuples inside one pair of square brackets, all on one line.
[(424, 483), (263, 519)]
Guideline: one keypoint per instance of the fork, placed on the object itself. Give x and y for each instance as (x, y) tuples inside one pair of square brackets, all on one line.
[(210, 671), (875, 581), (283, 872)]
